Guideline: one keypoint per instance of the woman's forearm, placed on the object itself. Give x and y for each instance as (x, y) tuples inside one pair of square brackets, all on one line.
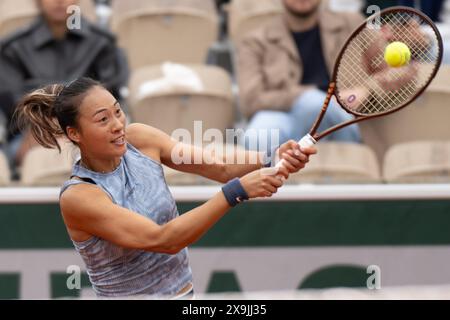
[(192, 225), (244, 162)]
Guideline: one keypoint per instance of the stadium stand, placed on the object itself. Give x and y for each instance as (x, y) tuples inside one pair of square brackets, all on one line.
[(338, 162), (15, 14), (48, 167), (173, 96), (418, 162), (248, 15), (160, 98), (154, 31)]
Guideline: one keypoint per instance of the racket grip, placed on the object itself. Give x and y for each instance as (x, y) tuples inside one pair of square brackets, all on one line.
[(305, 142)]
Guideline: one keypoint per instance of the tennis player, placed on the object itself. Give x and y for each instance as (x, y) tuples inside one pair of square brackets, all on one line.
[(117, 208)]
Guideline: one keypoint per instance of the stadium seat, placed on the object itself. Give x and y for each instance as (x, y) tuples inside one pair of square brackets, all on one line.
[(425, 119), (247, 15), (338, 162), (418, 162), (48, 167), (173, 96), (5, 174), (15, 14), (153, 31)]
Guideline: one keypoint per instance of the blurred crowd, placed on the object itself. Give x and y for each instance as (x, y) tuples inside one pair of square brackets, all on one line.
[(280, 69)]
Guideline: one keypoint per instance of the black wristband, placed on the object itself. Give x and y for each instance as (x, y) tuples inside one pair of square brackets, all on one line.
[(234, 192)]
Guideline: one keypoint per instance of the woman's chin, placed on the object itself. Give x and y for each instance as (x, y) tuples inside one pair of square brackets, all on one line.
[(120, 149)]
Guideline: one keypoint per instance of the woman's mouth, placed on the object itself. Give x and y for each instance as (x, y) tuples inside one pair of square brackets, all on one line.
[(119, 141)]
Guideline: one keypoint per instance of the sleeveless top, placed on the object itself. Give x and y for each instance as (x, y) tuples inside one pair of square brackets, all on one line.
[(137, 184)]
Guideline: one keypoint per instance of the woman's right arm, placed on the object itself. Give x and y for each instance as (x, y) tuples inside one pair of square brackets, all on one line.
[(87, 208)]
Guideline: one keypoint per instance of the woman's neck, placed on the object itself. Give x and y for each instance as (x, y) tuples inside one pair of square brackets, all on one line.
[(98, 165)]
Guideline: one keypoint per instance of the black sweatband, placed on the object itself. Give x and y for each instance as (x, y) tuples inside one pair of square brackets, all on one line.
[(234, 192)]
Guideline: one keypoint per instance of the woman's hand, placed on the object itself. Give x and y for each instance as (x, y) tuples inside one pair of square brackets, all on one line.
[(263, 183), (295, 157)]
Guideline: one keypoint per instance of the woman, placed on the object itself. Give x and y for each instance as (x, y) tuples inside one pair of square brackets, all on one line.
[(117, 208)]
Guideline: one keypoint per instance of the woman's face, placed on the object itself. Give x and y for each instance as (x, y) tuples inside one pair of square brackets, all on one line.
[(101, 125)]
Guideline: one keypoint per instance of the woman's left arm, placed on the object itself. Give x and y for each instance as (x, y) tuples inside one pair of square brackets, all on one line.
[(213, 163)]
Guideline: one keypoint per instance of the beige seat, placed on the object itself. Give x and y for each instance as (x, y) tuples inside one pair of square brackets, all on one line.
[(47, 167), (172, 96), (15, 14), (418, 162), (5, 174), (154, 31), (248, 15), (427, 118), (338, 162)]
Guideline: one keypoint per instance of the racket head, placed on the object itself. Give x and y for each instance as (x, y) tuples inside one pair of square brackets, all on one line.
[(365, 85)]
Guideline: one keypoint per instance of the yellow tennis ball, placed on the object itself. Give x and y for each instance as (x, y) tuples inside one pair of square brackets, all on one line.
[(397, 54)]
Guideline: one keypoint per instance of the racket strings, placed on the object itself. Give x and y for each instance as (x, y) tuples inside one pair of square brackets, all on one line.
[(372, 103), (366, 85), (357, 78)]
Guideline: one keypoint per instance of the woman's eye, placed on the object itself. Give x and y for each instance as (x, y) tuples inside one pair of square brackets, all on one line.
[(118, 111), (104, 119)]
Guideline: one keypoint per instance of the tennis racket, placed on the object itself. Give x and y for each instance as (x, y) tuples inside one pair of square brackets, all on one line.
[(364, 85)]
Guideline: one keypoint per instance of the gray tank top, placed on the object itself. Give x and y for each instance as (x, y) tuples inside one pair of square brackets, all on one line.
[(137, 184)]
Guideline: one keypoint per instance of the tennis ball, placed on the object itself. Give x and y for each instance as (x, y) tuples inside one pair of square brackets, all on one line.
[(397, 54)]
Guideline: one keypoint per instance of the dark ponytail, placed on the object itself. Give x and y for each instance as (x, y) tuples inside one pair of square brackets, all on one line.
[(48, 111)]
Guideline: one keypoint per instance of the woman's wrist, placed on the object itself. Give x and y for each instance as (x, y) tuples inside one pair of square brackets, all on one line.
[(234, 192)]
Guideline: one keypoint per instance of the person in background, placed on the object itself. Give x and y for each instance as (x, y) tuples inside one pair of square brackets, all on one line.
[(284, 70), (49, 51)]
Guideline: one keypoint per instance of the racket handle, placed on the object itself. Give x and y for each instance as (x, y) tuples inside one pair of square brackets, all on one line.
[(305, 142)]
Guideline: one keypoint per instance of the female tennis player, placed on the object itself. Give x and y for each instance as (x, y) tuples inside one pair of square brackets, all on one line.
[(117, 207)]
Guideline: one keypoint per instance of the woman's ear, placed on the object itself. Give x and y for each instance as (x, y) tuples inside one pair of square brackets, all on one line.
[(73, 134)]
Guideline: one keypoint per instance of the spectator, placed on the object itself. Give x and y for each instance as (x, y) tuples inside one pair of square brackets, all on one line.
[(49, 51), (431, 8), (284, 69)]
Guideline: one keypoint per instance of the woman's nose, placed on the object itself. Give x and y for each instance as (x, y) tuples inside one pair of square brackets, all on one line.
[(117, 124)]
